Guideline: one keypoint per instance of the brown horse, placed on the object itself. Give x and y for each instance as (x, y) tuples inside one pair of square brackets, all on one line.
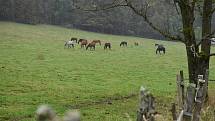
[(136, 43), (80, 40), (91, 45), (83, 43), (107, 45), (97, 41)]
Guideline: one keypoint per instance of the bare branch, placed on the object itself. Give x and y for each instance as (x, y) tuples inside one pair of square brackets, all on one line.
[(212, 54), (193, 4), (206, 37), (176, 7), (213, 11), (143, 13), (198, 9), (114, 4)]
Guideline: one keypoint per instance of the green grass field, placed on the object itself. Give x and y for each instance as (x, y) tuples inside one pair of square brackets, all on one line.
[(36, 69)]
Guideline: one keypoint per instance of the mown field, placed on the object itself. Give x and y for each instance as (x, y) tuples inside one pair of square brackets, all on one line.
[(36, 69)]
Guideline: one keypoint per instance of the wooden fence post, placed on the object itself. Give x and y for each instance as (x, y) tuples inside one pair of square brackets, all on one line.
[(146, 108), (174, 113), (182, 86), (188, 107), (180, 89), (200, 95)]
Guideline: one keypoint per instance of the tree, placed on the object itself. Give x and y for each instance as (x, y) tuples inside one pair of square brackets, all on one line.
[(198, 59), (198, 51)]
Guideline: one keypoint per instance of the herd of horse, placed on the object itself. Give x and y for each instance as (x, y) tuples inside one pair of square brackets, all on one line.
[(107, 45)]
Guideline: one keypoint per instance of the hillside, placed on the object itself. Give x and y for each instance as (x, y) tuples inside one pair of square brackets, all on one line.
[(36, 69)]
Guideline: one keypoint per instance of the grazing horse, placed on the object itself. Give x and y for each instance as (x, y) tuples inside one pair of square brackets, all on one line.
[(74, 39), (160, 48), (69, 44), (83, 43), (97, 41), (91, 45), (136, 44), (123, 43), (107, 45), (80, 40)]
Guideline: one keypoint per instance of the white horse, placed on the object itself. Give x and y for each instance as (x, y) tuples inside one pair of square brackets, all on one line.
[(70, 44)]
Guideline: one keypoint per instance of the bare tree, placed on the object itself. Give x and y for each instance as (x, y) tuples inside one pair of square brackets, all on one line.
[(198, 51), (198, 59)]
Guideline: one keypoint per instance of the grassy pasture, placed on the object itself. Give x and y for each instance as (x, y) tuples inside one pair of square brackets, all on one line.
[(36, 69)]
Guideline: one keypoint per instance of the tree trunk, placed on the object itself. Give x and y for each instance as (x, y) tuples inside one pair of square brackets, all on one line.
[(206, 30), (188, 18), (192, 65)]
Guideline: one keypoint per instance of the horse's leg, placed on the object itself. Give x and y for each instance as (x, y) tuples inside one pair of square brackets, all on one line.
[(64, 46)]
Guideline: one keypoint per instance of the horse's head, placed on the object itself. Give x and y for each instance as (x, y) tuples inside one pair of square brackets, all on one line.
[(156, 44), (80, 40)]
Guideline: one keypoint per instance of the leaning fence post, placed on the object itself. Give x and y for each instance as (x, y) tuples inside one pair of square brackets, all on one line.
[(179, 90), (187, 115), (174, 113), (200, 95), (182, 85), (146, 107)]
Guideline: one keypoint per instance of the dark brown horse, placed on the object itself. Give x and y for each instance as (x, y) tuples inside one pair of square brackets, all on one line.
[(97, 41), (83, 43), (160, 48), (91, 45), (80, 40), (74, 39), (123, 43), (107, 45)]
